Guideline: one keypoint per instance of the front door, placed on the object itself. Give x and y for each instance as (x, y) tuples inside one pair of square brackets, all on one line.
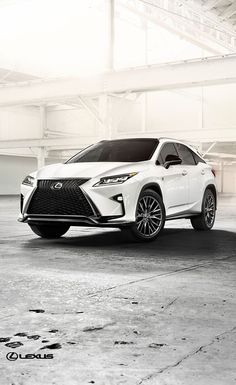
[(175, 182)]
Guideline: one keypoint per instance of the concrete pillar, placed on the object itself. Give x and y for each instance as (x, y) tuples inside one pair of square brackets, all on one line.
[(222, 176), (111, 34), (41, 157), (145, 96), (105, 115), (43, 125)]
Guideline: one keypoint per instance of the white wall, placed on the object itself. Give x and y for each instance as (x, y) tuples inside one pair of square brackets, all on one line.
[(77, 121), (19, 123), (13, 169), (191, 114), (229, 178)]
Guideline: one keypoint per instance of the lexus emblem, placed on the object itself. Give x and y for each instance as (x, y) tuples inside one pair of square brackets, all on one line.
[(56, 186), (12, 356)]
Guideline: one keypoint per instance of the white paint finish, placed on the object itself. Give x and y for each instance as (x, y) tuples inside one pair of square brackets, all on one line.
[(176, 187), (196, 181)]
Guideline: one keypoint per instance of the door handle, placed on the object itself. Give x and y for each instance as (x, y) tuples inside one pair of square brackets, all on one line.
[(203, 172), (184, 172)]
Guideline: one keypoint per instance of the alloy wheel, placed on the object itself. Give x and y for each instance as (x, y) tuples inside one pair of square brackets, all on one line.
[(149, 216), (209, 210)]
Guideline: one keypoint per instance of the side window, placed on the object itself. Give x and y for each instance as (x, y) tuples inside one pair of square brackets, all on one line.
[(159, 160), (197, 158), (167, 150), (185, 154)]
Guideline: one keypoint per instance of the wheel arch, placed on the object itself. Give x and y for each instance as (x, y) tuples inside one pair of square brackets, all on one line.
[(212, 188), (153, 186)]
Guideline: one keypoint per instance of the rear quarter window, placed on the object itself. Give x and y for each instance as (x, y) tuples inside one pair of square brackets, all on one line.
[(185, 154)]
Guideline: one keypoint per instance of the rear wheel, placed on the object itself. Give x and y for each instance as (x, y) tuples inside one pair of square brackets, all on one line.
[(150, 216), (206, 219), (50, 231)]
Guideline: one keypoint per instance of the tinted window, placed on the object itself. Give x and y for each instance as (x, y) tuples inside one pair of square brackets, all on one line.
[(126, 150), (167, 149), (185, 154), (197, 158)]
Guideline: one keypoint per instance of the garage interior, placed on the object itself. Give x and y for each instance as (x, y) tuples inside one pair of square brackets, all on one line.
[(114, 311)]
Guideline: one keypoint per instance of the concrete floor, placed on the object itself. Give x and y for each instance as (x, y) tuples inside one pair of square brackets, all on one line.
[(118, 312)]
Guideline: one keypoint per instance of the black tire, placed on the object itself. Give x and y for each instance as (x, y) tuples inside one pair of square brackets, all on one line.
[(206, 219), (150, 216), (50, 231)]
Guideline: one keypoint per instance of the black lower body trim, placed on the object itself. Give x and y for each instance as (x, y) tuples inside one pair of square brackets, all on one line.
[(74, 221)]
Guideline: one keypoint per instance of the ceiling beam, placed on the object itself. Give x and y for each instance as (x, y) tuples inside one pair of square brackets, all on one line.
[(229, 11), (183, 74), (69, 142), (198, 40), (211, 4)]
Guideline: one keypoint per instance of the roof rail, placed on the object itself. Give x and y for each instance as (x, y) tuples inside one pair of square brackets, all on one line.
[(167, 137)]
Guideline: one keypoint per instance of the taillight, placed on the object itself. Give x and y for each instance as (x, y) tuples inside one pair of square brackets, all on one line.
[(213, 172)]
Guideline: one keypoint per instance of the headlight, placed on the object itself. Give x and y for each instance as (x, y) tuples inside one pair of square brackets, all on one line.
[(29, 181), (116, 179)]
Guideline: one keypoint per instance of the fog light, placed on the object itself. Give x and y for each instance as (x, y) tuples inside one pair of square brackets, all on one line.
[(118, 198)]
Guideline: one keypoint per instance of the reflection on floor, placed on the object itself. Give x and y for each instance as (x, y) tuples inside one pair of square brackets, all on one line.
[(112, 311)]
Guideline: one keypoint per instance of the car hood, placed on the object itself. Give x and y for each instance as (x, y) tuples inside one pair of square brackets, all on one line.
[(89, 169)]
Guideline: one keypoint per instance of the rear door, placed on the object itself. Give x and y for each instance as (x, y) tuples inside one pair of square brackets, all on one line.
[(175, 182)]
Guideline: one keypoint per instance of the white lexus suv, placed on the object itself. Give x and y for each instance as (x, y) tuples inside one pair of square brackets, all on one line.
[(136, 184)]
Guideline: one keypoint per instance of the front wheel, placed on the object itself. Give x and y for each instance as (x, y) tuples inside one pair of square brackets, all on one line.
[(206, 219), (50, 231), (150, 216)]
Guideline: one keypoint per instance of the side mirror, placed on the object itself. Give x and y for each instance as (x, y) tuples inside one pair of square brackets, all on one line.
[(172, 160)]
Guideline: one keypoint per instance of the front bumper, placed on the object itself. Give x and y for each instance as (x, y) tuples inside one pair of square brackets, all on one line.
[(108, 211), (74, 221)]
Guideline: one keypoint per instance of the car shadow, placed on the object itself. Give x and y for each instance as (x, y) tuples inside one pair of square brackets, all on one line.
[(171, 242)]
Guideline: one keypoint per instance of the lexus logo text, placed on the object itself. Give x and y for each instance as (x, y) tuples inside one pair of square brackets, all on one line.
[(12, 356)]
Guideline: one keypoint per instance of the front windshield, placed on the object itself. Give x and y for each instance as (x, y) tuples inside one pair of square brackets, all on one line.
[(124, 150)]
